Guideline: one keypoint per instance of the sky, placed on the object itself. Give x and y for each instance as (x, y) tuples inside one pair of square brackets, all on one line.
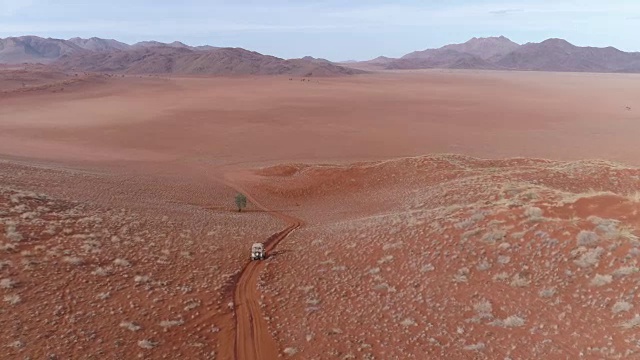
[(332, 29)]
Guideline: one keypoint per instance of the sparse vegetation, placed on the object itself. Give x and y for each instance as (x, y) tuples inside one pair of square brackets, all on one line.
[(121, 263), (601, 280), (587, 238), (483, 308), (171, 323), (631, 324), (290, 351), (12, 234), (475, 347), (519, 281), (621, 306), (509, 322), (18, 344), (408, 322), (147, 344), (131, 326), (141, 279), (625, 271), (102, 271), (547, 293), (12, 299), (407, 270), (590, 258), (533, 213), (8, 283)]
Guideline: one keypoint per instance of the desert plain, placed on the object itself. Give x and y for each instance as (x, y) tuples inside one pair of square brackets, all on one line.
[(427, 214)]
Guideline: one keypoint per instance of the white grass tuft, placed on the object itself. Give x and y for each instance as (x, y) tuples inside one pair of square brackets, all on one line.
[(171, 323), (12, 299), (12, 234), (8, 283), (483, 265), (141, 279), (18, 344), (625, 271), (631, 324), (102, 271), (474, 347), (483, 307), (589, 258), (494, 236), (533, 213), (408, 322), (510, 322), (147, 344), (621, 306), (131, 326), (547, 293), (427, 268), (519, 281), (121, 263), (500, 276), (601, 280), (587, 238)]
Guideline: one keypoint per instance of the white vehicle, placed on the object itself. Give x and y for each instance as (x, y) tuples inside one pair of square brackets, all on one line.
[(258, 252)]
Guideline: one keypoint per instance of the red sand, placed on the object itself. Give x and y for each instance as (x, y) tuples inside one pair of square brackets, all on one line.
[(452, 257), (259, 120), (397, 259)]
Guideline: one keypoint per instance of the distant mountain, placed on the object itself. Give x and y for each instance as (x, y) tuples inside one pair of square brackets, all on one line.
[(560, 55), (153, 57), (503, 54), (182, 60), (175, 44), (316, 60), (97, 44), (378, 63), (440, 58), (483, 48), (381, 60), (33, 49)]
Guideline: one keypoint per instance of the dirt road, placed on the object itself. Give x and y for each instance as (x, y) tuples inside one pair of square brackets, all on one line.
[(252, 338)]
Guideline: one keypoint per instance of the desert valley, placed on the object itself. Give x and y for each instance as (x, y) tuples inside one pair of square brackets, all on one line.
[(477, 201)]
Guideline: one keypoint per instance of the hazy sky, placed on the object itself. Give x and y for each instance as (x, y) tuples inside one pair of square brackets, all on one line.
[(333, 29)]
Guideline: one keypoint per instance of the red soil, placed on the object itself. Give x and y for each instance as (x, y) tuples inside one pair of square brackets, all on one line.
[(402, 259), (399, 258)]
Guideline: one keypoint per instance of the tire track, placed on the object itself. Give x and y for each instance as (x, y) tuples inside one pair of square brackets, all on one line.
[(252, 338)]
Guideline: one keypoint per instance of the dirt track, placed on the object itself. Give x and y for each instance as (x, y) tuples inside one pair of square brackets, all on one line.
[(252, 338)]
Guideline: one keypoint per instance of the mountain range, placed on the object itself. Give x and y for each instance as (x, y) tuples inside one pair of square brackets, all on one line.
[(34, 49), (500, 53), (152, 57)]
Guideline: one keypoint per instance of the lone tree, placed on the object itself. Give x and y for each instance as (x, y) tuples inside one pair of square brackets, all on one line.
[(241, 201)]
